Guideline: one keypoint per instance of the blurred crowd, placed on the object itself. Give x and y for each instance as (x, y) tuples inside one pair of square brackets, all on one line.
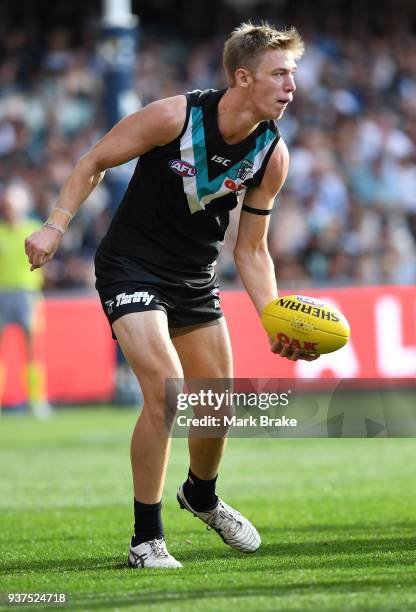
[(347, 214)]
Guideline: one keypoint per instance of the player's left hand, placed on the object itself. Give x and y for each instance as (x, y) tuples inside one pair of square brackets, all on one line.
[(288, 351)]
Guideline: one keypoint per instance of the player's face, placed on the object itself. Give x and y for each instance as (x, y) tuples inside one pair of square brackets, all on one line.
[(273, 83)]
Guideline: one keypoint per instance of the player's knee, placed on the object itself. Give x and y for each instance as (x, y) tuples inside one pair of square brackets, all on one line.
[(154, 382), (159, 417), (160, 403)]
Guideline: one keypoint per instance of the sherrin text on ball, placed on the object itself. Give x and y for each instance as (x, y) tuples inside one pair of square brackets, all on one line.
[(310, 325)]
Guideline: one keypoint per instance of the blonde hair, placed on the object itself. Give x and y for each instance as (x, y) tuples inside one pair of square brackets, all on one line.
[(247, 42)]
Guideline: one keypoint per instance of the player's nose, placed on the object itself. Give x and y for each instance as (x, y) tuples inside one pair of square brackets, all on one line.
[(290, 83)]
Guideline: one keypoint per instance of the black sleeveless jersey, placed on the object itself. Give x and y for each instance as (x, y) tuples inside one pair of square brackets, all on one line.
[(175, 212)]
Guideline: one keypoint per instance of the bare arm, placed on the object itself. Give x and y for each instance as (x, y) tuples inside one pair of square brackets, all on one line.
[(251, 253), (155, 125), (252, 258)]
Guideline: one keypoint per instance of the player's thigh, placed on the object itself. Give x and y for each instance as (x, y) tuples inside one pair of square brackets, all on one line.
[(145, 341), (205, 351)]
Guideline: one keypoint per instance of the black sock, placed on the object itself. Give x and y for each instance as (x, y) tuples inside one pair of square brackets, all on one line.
[(200, 493), (147, 522)]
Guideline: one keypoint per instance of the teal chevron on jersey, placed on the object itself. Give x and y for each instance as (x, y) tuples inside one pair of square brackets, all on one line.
[(206, 189)]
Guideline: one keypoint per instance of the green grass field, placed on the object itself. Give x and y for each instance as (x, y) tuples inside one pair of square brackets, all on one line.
[(337, 518)]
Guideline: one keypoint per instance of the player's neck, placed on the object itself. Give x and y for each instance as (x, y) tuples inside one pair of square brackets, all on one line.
[(236, 119)]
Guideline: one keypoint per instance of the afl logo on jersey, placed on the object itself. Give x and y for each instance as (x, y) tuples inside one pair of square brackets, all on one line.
[(183, 168)]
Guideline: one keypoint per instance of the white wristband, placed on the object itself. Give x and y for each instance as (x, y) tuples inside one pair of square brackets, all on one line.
[(53, 226), (64, 211)]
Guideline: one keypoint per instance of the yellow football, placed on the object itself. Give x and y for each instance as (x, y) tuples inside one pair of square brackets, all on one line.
[(308, 324)]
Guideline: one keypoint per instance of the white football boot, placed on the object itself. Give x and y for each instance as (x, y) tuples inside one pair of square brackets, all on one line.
[(152, 554), (231, 526)]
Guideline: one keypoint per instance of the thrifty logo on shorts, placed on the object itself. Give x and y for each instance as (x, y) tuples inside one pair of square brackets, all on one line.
[(137, 296)]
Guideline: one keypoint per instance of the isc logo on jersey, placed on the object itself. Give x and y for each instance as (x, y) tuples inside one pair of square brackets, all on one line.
[(183, 168)]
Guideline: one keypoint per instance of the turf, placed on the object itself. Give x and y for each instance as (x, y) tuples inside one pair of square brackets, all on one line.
[(337, 518)]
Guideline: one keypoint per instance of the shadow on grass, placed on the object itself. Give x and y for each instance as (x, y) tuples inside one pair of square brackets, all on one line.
[(59, 565), (164, 596), (347, 553), (353, 552), (336, 528)]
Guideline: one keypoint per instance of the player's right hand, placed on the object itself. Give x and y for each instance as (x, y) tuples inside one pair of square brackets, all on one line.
[(41, 246)]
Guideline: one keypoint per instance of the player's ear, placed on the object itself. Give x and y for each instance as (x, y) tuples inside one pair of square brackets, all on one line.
[(243, 77)]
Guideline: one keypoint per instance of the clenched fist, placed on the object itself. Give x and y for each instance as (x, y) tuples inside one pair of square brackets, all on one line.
[(41, 246)]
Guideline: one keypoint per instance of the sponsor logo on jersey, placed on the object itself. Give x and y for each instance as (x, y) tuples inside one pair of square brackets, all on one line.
[(221, 160), (245, 170), (129, 298), (235, 186), (183, 168)]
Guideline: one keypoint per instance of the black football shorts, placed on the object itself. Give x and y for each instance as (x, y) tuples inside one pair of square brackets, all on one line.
[(125, 286)]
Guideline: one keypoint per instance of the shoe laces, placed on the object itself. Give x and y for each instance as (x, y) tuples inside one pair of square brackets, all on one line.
[(221, 518), (158, 547)]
